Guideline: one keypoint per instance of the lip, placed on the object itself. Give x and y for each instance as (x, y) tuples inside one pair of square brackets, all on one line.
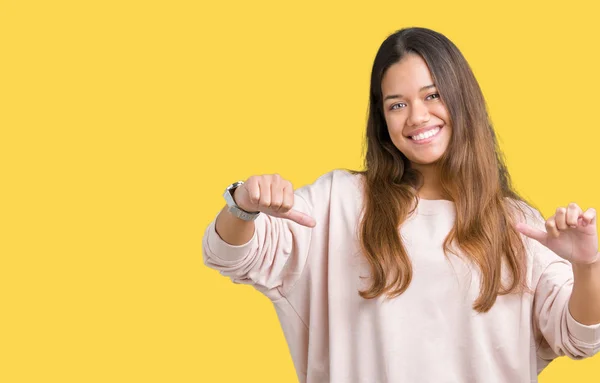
[(428, 139)]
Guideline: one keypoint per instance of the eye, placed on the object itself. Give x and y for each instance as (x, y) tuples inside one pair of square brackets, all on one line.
[(397, 106), (433, 96)]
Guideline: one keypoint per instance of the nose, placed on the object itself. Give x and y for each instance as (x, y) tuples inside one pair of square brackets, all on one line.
[(418, 114)]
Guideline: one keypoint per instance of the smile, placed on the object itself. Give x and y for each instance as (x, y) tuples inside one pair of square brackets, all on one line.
[(425, 135)]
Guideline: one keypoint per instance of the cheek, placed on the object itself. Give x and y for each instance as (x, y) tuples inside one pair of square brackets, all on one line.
[(398, 139), (395, 133), (394, 123), (449, 131), (441, 111)]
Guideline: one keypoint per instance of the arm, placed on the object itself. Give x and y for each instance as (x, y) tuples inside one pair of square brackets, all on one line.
[(270, 252), (584, 303), (558, 331), (269, 194), (567, 295), (232, 229)]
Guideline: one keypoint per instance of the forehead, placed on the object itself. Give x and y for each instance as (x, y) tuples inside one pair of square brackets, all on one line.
[(406, 76)]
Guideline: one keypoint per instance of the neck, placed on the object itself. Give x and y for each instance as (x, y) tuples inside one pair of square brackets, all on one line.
[(432, 186)]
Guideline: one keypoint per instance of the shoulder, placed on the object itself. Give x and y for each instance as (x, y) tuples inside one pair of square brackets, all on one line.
[(525, 213), (347, 178), (342, 183), (335, 179)]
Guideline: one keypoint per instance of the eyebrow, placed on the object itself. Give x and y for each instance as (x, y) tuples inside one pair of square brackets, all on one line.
[(400, 96)]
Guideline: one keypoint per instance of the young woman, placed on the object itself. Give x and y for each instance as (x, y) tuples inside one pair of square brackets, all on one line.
[(426, 266)]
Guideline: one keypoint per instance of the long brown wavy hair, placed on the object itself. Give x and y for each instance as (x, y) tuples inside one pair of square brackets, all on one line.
[(473, 176)]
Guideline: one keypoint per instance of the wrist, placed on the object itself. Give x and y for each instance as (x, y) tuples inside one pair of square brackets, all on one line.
[(586, 267), (233, 207), (249, 211)]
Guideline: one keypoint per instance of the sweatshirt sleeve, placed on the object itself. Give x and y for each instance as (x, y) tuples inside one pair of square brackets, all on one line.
[(274, 258), (562, 334), (557, 332)]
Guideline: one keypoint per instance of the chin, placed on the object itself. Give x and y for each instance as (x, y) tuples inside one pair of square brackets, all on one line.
[(426, 161)]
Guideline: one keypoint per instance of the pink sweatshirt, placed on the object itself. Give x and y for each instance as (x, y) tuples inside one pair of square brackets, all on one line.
[(430, 333)]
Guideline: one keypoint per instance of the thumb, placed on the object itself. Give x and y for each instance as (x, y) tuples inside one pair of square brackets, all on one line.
[(299, 218), (532, 232)]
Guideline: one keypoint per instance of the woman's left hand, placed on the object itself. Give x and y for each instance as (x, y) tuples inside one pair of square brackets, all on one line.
[(570, 233)]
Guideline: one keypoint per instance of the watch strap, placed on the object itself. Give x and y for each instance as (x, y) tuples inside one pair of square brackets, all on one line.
[(233, 207)]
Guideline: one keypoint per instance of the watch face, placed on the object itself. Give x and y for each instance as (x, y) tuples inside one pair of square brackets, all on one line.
[(229, 189), (233, 208), (228, 197), (234, 185)]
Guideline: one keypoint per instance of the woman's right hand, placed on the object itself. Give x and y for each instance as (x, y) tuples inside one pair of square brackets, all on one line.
[(272, 195)]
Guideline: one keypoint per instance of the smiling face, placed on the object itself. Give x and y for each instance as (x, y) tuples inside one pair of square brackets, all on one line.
[(418, 122)]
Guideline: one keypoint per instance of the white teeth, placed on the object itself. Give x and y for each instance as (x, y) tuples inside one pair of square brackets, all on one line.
[(426, 134)]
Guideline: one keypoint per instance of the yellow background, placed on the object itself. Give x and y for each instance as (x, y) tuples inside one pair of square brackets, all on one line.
[(123, 121)]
